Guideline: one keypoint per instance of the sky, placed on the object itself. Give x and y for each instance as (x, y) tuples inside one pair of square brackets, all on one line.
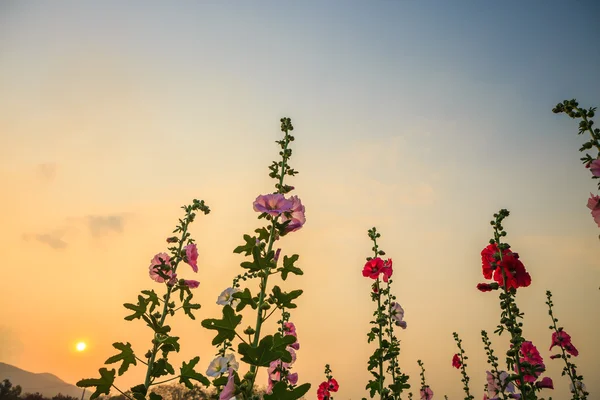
[(420, 118)]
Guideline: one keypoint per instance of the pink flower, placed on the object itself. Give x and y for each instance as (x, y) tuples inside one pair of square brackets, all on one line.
[(545, 383), (293, 378), (532, 356), (229, 389), (426, 393), (333, 385), (373, 268), (397, 314), (272, 204), (562, 339), (594, 205), (155, 267), (296, 215), (191, 254), (191, 284), (290, 329), (387, 270), (594, 166)]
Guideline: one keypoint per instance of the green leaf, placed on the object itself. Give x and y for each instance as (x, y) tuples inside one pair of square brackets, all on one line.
[(139, 309), (225, 326), (262, 355), (162, 368), (288, 267), (102, 385), (152, 299), (281, 392), (280, 343), (245, 299), (187, 374), (170, 344), (263, 234), (139, 392), (246, 248), (154, 396), (283, 299), (126, 355), (188, 307)]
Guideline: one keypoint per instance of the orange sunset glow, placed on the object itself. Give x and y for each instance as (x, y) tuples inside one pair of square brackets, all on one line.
[(422, 119)]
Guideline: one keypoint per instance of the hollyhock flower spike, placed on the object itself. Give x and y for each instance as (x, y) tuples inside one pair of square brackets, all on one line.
[(328, 386), (272, 204), (387, 270)]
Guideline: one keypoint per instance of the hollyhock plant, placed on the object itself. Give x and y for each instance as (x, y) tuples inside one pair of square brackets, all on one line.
[(328, 386), (155, 310), (388, 314), (458, 362), (562, 339), (426, 393)]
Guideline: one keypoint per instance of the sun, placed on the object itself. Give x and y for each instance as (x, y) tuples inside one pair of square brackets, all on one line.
[(80, 346)]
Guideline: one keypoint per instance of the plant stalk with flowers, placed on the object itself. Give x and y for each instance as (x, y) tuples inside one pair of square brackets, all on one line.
[(458, 362), (562, 339), (163, 270), (496, 380), (276, 352), (328, 386), (572, 109), (508, 272), (387, 314), (426, 393)]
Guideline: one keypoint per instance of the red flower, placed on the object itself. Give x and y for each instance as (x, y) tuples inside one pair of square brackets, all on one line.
[(323, 391), (373, 268), (490, 256), (333, 385), (562, 339), (456, 361), (387, 270), (516, 275)]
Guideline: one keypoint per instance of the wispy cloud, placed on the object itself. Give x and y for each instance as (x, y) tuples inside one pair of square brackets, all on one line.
[(54, 239), (101, 225), (46, 171)]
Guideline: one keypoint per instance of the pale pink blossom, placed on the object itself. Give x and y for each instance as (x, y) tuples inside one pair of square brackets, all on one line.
[(594, 205), (296, 215), (272, 204), (155, 267), (191, 254)]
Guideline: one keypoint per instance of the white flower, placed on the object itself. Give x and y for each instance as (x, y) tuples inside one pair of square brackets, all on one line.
[(217, 367), (230, 359), (226, 299)]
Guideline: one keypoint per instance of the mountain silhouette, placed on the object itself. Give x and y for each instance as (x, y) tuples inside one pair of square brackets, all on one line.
[(45, 383)]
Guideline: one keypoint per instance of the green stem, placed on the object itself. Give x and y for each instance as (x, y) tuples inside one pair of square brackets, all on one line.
[(391, 336), (165, 381), (380, 335), (120, 391)]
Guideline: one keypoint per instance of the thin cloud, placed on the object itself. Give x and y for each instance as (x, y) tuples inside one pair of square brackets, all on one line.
[(46, 171), (100, 225)]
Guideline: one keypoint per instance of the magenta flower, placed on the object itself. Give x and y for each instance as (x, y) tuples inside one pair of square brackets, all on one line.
[(387, 270), (296, 215), (272, 204), (545, 383), (191, 284), (594, 205), (155, 267), (426, 393), (191, 254), (595, 167), (563, 339)]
